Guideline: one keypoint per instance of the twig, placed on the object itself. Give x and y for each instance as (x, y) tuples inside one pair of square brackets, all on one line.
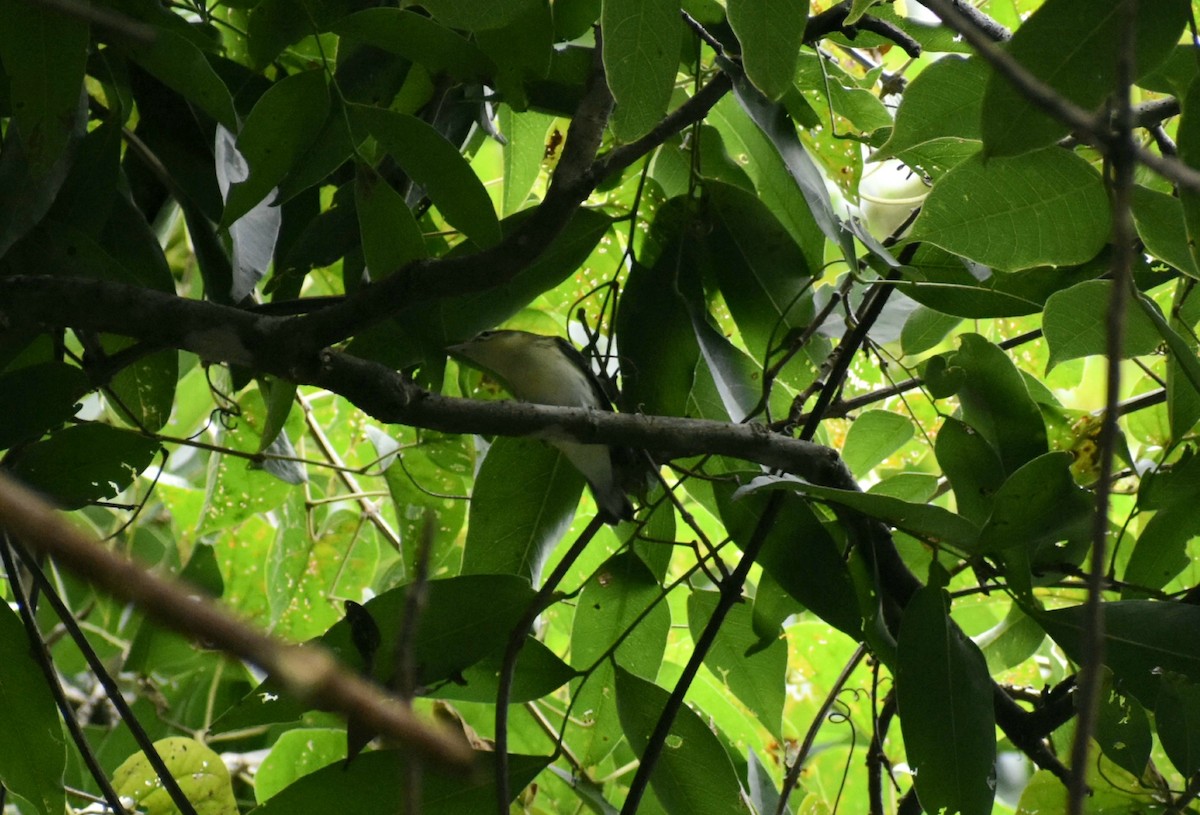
[(516, 641), (730, 593), (793, 774), (1122, 163)]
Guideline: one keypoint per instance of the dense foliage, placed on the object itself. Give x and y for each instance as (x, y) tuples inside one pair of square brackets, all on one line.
[(902, 308)]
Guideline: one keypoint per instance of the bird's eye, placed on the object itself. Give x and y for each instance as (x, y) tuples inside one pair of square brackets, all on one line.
[(485, 335)]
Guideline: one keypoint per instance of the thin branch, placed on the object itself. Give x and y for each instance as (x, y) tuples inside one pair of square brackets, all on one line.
[(308, 672), (1094, 131), (730, 593), (1122, 164)]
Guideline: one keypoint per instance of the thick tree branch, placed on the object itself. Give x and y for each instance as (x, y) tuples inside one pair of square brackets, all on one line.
[(308, 672)]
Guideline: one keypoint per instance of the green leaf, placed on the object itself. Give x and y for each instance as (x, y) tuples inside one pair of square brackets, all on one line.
[(33, 755), (929, 522), (38, 398), (44, 53), (996, 402), (970, 302), (758, 678), (295, 754), (622, 595), (1011, 641), (279, 130), (874, 435), (972, 467), (200, 773), (944, 695), (1122, 729), (146, 388), (641, 56), (763, 274), (419, 39), (926, 328), (941, 104), (1144, 639), (1161, 549), (478, 15), (824, 586), (693, 773), (391, 237), (1177, 719), (524, 499), (539, 672), (752, 150), (659, 352), (770, 35), (84, 463), (1039, 503), (1044, 208), (357, 788), (437, 166), (1182, 352), (1189, 152), (1159, 221), (181, 66), (524, 152), (1084, 73), (1076, 325)]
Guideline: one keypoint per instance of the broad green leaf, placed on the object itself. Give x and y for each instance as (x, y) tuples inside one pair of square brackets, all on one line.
[(523, 51), (391, 237), (770, 35), (751, 149), (1161, 551), (1182, 351), (928, 522), (1044, 208), (84, 463), (524, 499), (438, 167), (972, 467), (1177, 719), (1183, 400), (659, 353), (177, 63), (524, 152), (1085, 73), (641, 56), (295, 754), (1189, 152), (1076, 325), (874, 435), (944, 696), (824, 586), (146, 389), (478, 15), (1160, 225), (199, 771), (621, 595), (693, 773), (970, 302), (853, 106), (357, 787), (44, 53), (33, 754), (926, 328), (276, 134), (757, 679), (418, 38), (1039, 503), (1011, 641), (911, 487), (942, 102), (763, 274), (539, 672), (1144, 639), (1122, 729), (38, 398), (996, 401)]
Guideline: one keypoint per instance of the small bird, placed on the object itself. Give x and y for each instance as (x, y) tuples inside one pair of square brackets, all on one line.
[(550, 371)]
